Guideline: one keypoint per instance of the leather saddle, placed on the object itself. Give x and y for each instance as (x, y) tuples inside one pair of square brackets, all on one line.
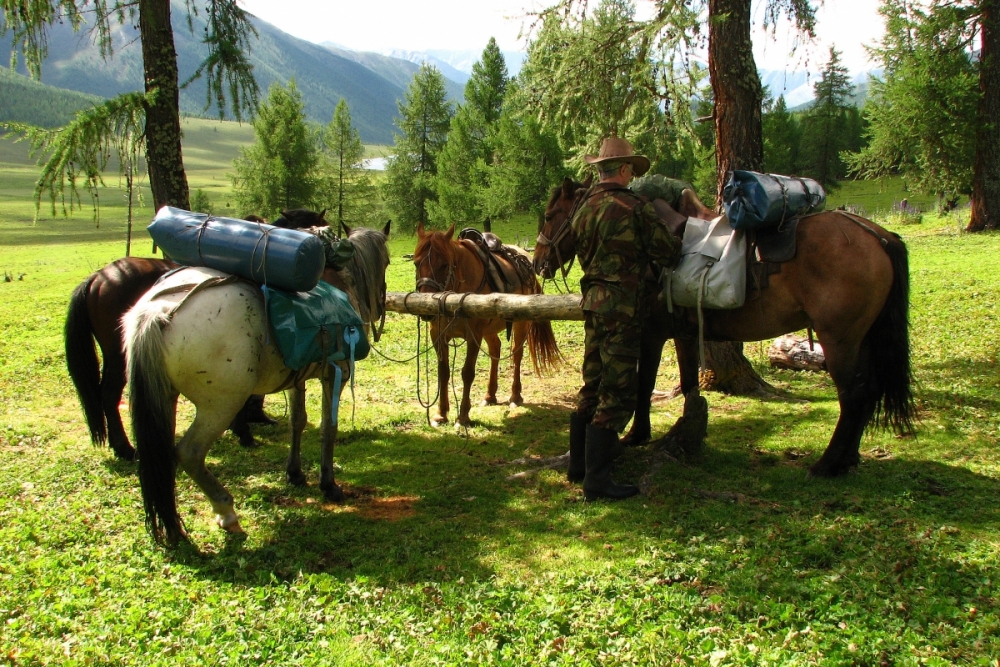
[(507, 268)]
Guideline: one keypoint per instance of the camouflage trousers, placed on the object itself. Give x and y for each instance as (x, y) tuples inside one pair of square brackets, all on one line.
[(610, 379)]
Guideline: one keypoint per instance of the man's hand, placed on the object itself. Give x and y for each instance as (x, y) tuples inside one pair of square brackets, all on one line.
[(673, 220)]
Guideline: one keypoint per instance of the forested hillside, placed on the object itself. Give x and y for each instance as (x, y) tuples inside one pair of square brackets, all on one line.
[(323, 77), (27, 101)]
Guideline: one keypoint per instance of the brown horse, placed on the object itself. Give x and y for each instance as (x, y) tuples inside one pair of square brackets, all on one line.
[(849, 281), (95, 312), (448, 265)]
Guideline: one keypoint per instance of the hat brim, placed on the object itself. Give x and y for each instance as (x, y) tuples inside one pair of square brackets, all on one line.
[(640, 163)]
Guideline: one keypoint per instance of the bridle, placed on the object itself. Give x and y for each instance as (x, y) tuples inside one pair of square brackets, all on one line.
[(562, 232), (429, 281)]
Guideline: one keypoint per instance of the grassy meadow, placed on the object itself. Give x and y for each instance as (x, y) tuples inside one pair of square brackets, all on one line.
[(732, 557)]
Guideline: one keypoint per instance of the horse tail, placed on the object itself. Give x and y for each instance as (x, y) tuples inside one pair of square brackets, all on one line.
[(545, 353), (82, 363), (151, 399), (889, 349)]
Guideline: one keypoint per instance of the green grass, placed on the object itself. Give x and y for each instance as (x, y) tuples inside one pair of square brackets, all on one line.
[(732, 557)]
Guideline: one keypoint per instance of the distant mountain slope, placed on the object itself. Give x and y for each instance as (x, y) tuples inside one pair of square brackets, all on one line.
[(798, 86), (26, 101), (395, 70), (323, 77)]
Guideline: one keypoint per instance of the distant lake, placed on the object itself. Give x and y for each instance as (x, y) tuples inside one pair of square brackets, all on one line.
[(375, 163)]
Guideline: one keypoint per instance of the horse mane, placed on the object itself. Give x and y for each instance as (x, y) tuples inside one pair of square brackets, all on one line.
[(371, 256)]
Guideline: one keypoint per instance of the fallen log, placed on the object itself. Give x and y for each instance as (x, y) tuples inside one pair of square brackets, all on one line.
[(793, 352), (534, 307)]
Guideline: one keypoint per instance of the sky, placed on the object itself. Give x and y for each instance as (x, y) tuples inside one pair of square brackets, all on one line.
[(418, 25)]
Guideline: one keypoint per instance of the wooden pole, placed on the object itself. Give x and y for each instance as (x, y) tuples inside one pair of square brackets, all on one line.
[(535, 307)]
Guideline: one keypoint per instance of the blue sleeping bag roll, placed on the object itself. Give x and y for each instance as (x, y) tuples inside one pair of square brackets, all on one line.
[(286, 259), (753, 200)]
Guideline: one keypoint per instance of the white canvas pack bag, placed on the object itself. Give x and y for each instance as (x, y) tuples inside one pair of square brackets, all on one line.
[(712, 269)]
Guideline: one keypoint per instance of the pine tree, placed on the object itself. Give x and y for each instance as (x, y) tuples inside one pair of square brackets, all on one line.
[(923, 115), (527, 163), (466, 156), (345, 189), (424, 117), (278, 171), (825, 124), (781, 139)]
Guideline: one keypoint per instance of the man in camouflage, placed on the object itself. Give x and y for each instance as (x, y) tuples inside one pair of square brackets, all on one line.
[(618, 235)]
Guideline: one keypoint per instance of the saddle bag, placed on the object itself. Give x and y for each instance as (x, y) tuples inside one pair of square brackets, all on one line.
[(712, 269), (297, 318), (753, 200), (286, 259)]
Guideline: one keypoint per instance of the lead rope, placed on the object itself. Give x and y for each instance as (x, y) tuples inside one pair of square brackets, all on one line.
[(701, 317)]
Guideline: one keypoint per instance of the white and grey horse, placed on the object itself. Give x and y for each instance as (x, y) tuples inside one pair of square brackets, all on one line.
[(204, 335)]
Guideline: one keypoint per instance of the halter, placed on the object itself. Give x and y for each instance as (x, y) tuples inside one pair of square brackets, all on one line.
[(449, 281), (564, 230)]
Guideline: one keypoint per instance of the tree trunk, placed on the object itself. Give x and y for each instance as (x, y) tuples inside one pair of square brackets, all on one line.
[(167, 179), (986, 178), (739, 144)]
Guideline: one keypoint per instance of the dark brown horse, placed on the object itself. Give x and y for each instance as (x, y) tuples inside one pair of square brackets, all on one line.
[(95, 312), (448, 265), (849, 281)]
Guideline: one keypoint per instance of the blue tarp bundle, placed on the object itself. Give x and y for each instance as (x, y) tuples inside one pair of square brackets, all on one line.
[(297, 317), (753, 200), (283, 258)]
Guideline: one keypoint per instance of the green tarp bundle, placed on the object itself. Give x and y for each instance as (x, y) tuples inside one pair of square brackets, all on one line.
[(297, 318)]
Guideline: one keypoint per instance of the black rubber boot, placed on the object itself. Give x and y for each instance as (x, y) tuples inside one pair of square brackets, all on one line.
[(255, 411), (577, 448), (597, 483)]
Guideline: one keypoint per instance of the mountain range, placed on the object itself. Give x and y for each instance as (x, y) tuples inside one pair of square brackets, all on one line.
[(371, 82)]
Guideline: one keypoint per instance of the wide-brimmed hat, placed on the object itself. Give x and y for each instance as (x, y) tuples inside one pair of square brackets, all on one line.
[(616, 149)]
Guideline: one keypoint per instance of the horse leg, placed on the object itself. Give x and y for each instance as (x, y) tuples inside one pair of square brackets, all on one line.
[(517, 354), (689, 431), (493, 345), (848, 366), (328, 431), (296, 423), (210, 422), (650, 352), (441, 349), (468, 376), (112, 386)]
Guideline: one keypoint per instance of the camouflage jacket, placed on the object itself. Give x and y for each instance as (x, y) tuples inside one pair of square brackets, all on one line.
[(617, 236)]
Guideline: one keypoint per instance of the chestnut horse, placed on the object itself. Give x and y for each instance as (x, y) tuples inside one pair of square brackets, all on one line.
[(848, 281), (95, 312), (448, 265)]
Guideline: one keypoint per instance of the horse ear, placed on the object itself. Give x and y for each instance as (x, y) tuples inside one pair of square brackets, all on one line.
[(567, 187), (420, 229), (587, 181), (451, 232), (319, 219), (347, 230), (385, 230)]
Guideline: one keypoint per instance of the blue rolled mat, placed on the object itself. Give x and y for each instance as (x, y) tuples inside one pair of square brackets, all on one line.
[(283, 258), (753, 200)]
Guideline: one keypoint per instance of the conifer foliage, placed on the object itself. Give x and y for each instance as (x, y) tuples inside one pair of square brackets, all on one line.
[(277, 171), (345, 188), (410, 178)]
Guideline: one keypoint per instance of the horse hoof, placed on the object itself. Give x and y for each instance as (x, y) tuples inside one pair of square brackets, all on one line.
[(489, 401), (635, 438), (334, 494), (828, 470), (463, 423), (515, 402), (296, 479), (124, 452), (438, 422), (230, 523)]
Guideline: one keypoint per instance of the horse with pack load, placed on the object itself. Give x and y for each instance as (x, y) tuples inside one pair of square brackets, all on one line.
[(788, 266)]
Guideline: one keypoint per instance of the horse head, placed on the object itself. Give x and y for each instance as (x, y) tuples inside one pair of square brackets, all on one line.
[(300, 218), (555, 246)]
